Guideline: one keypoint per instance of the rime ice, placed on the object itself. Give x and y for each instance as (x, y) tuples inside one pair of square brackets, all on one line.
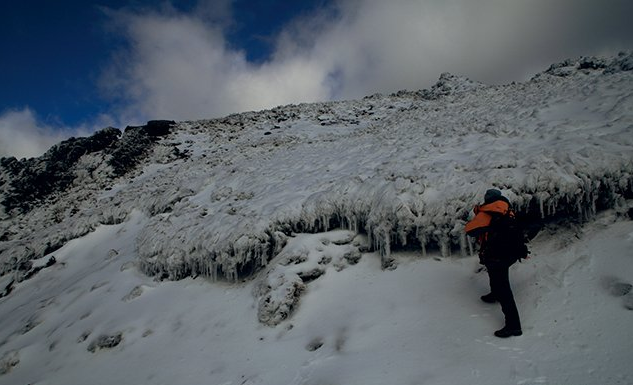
[(251, 195), (222, 195)]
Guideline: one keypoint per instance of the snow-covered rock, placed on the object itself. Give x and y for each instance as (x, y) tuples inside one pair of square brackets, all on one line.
[(328, 207), (405, 169), (304, 259)]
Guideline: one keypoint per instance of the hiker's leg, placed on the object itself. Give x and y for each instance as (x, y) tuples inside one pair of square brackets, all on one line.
[(500, 285)]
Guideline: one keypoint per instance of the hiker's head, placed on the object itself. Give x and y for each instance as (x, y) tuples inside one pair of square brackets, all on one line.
[(492, 195)]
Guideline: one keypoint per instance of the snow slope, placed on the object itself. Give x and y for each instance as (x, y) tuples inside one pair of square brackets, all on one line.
[(412, 175), (405, 169), (419, 323), (309, 244)]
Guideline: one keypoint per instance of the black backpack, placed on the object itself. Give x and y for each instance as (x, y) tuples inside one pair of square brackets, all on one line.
[(507, 239)]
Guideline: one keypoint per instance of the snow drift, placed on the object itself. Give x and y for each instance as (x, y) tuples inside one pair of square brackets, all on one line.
[(223, 195)]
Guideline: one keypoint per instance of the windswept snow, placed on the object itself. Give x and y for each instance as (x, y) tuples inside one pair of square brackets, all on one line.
[(422, 322), (405, 169)]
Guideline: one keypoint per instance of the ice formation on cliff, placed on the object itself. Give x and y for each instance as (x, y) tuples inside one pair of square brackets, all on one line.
[(403, 169)]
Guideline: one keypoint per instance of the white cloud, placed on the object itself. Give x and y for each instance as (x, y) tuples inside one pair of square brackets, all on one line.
[(22, 136), (179, 66)]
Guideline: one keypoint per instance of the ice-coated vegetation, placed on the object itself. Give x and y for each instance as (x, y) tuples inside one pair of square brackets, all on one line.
[(304, 259), (222, 196)]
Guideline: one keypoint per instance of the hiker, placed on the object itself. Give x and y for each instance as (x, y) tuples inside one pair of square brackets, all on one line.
[(490, 227)]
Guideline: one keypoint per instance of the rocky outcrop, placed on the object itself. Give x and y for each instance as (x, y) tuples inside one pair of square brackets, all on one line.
[(27, 182), (622, 62)]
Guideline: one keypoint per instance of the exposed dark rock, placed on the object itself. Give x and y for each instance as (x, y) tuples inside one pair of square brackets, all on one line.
[(27, 182), (592, 63), (31, 180), (309, 276), (353, 256), (154, 128), (8, 289), (26, 271), (159, 127), (623, 62), (133, 145), (315, 344), (105, 342), (8, 361)]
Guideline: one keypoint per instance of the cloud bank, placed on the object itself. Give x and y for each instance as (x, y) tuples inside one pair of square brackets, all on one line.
[(180, 66), (183, 66), (22, 134)]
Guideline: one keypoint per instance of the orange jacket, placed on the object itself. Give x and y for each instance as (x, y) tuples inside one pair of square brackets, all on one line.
[(483, 216)]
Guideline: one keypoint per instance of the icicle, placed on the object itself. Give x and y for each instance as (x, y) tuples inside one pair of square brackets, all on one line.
[(542, 198), (402, 234), (261, 259), (579, 210), (444, 248), (214, 271), (463, 244), (423, 241), (350, 223), (385, 251)]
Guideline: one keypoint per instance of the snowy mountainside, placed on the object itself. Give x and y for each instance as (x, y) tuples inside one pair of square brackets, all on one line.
[(93, 318), (313, 202), (222, 196)]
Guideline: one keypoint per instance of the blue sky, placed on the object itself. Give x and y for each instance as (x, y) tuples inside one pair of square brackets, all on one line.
[(57, 49), (72, 67)]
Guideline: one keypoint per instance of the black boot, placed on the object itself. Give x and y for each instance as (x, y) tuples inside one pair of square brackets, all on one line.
[(506, 332), (488, 298)]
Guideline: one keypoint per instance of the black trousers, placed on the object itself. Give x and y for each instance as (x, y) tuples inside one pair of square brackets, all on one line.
[(498, 272)]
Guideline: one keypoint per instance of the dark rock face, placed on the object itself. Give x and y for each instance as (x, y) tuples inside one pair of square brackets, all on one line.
[(129, 150), (26, 182), (135, 143), (623, 62), (155, 128), (30, 180)]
